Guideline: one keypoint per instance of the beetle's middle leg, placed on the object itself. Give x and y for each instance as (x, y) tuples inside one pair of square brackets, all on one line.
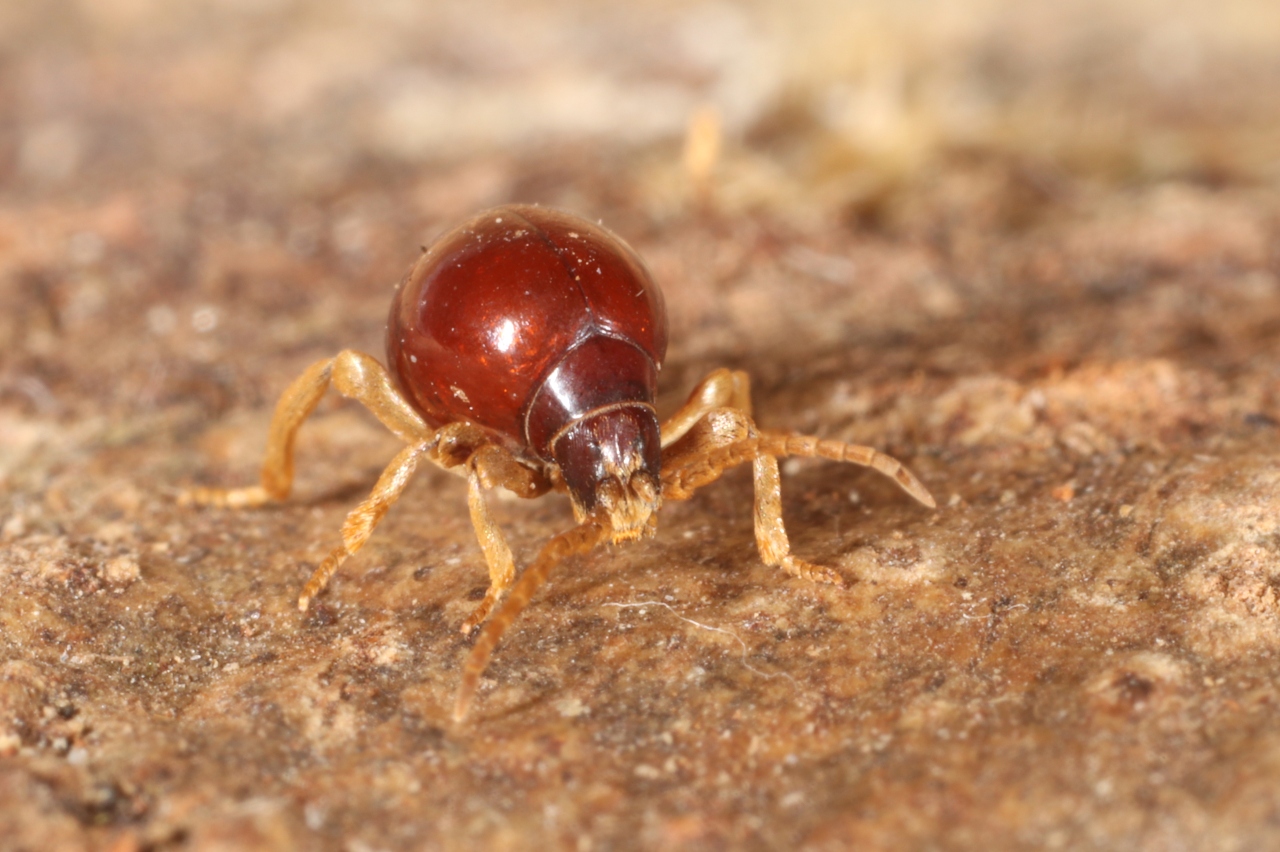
[(351, 373), (361, 520)]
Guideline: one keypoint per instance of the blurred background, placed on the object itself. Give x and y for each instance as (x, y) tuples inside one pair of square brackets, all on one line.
[(837, 96), (1031, 248), (176, 169)]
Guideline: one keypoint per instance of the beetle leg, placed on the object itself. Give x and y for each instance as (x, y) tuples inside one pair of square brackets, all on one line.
[(782, 444), (352, 374), (499, 467), (492, 465), (700, 458), (727, 437), (455, 444), (580, 539), (497, 553), (721, 388), (361, 521), (771, 533)]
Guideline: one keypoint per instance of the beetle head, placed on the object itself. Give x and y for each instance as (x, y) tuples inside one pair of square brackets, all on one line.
[(611, 463)]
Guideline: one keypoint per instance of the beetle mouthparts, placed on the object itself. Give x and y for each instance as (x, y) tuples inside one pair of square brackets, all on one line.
[(629, 506), (610, 462)]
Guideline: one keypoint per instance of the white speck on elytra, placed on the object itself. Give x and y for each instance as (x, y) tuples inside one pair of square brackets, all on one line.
[(498, 220), (459, 393), (573, 234), (413, 359)]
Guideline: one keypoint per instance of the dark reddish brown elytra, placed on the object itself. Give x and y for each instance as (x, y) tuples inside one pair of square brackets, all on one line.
[(543, 328), (525, 347)]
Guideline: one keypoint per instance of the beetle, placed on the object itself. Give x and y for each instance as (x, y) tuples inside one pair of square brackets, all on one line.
[(524, 348)]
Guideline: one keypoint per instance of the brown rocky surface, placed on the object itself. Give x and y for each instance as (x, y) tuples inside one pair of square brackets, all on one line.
[(1032, 250)]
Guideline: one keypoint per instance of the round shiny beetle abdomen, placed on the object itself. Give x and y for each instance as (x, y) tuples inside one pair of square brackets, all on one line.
[(525, 320)]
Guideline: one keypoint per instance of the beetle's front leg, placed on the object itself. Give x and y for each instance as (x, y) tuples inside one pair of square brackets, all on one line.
[(725, 438), (580, 539), (722, 388), (489, 466)]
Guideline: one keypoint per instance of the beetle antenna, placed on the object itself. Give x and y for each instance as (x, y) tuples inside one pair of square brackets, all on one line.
[(580, 539)]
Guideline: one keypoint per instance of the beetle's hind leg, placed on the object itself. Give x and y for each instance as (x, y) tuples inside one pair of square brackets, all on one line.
[(352, 374)]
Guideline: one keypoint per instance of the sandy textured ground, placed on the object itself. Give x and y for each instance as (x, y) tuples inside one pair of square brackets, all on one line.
[(1034, 253)]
